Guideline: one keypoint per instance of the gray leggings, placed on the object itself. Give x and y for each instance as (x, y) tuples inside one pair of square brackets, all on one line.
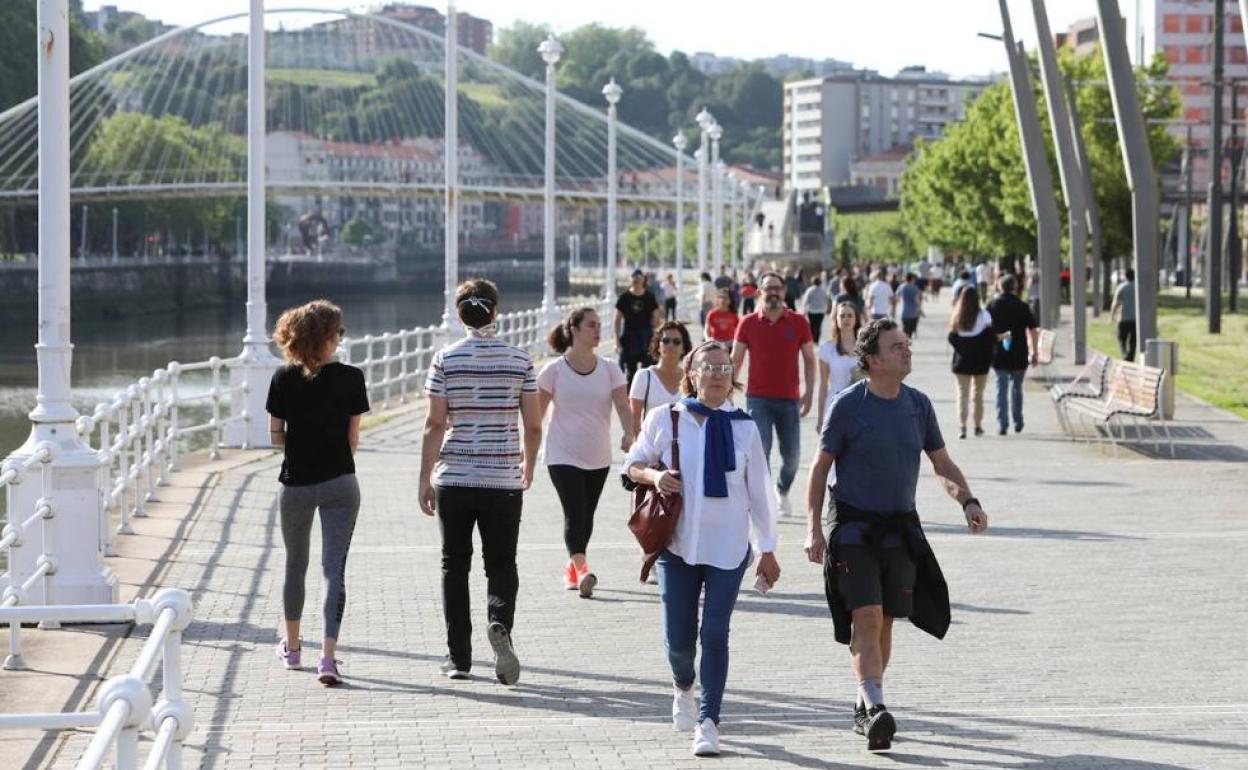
[(339, 502)]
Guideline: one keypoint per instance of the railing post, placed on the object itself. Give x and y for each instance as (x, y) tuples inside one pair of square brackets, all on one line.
[(175, 373), (136, 450), (404, 338), (217, 432)]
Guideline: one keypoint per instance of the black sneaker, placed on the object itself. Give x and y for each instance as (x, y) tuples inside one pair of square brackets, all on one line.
[(452, 671), (860, 719), (962, 433), (1003, 431), (880, 728), (979, 431), (506, 664), (1018, 428)]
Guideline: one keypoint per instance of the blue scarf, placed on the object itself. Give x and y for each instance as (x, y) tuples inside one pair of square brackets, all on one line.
[(720, 454)]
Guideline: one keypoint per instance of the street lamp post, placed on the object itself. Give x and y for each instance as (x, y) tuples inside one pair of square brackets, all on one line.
[(450, 218), (550, 49), (70, 472), (612, 93), (114, 233), (257, 361), (705, 121), (680, 143), (717, 199)]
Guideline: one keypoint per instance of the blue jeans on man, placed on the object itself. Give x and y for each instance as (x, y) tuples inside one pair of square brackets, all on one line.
[(1010, 393), (680, 586), (783, 414)]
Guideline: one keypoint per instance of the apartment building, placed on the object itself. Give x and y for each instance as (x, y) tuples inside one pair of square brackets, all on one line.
[(832, 121)]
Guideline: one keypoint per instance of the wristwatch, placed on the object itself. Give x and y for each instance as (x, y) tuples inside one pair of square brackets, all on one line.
[(970, 500)]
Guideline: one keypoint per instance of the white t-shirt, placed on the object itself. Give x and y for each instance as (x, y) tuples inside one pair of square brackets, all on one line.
[(840, 371), (981, 273), (659, 395), (669, 290), (579, 433), (880, 295)]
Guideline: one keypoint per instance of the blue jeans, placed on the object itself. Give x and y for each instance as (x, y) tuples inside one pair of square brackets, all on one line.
[(784, 415), (1010, 388), (680, 585)]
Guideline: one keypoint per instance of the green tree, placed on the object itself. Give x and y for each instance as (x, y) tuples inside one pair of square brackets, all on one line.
[(19, 45), (967, 192), (357, 231)]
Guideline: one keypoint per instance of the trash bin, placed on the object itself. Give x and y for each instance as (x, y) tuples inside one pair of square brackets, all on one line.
[(1164, 355)]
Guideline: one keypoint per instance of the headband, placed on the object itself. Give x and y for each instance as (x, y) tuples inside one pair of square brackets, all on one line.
[(476, 301)]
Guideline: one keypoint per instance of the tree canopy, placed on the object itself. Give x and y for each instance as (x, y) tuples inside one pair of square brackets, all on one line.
[(967, 192)]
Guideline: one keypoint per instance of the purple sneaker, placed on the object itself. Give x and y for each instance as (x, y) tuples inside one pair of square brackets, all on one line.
[(327, 672), (289, 658)]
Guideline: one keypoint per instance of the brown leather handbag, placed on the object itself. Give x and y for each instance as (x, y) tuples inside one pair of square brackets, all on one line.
[(655, 513)]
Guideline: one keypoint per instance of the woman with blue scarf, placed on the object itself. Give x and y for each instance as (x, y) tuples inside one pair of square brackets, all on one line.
[(729, 517)]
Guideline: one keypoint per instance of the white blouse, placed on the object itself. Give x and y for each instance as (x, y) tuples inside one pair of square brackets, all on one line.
[(658, 395), (713, 530)]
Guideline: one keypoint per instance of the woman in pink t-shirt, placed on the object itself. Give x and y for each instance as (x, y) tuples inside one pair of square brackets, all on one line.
[(582, 387)]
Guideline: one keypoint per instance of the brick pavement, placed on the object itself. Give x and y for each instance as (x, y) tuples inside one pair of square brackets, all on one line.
[(1098, 625)]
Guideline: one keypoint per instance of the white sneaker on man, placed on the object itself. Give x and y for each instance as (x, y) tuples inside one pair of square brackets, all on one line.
[(684, 709), (782, 503), (706, 739)]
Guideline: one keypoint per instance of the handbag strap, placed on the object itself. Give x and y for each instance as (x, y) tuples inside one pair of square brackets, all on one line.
[(645, 401), (675, 439)]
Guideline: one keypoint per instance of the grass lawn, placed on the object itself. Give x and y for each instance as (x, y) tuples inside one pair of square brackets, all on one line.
[(320, 78), (1212, 367)]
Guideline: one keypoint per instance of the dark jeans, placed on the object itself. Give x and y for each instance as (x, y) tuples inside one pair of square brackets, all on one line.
[(630, 362), (1126, 340), (680, 586), (496, 515), (816, 324), (578, 490), (1010, 392), (784, 415)]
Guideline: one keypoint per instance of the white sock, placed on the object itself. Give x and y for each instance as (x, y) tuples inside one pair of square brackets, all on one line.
[(871, 692)]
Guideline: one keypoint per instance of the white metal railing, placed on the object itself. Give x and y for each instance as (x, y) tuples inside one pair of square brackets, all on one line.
[(14, 538), (395, 364), (125, 703), (138, 433)]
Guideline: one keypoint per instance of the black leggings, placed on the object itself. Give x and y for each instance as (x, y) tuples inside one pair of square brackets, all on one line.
[(578, 490)]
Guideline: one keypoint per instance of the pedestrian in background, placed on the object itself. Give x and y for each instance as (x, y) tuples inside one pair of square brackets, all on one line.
[(1015, 328), (659, 384), (314, 406), (1124, 310), (582, 387), (815, 304), (636, 317), (721, 323), (972, 340), (911, 298)]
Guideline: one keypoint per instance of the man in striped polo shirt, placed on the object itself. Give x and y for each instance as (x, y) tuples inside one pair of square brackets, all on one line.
[(472, 472)]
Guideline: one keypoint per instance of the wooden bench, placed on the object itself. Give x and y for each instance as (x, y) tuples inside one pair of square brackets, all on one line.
[(1088, 383), (1132, 393)]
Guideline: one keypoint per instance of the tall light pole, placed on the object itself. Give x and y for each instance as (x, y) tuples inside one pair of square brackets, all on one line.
[(72, 468), (258, 363), (114, 233), (1213, 256), (717, 198), (680, 143), (82, 238), (612, 93), (705, 121), (731, 212), (450, 217), (550, 49), (1138, 162), (1071, 177)]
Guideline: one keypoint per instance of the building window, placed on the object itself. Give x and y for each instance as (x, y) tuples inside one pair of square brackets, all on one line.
[(1197, 23), (1194, 54), (1170, 22), (1172, 54), (1238, 55)]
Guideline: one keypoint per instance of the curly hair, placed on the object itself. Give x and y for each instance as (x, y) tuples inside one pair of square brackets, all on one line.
[(686, 343), (869, 340), (302, 333)]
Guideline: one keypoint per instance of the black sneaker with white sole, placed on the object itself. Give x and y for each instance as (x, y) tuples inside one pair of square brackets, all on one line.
[(506, 664), (452, 671), (880, 728), (860, 719)]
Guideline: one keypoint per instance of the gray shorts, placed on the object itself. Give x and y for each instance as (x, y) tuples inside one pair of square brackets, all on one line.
[(865, 576)]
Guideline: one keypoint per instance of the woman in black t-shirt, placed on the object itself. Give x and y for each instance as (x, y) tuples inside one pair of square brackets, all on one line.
[(315, 406)]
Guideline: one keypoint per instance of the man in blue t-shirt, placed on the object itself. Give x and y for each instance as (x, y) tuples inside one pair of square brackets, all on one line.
[(876, 432), (911, 298)]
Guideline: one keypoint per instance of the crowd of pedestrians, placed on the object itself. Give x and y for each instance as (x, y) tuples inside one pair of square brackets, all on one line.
[(490, 417)]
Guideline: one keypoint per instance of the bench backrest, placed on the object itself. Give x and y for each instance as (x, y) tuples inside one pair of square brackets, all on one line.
[(1093, 373), (1134, 386)]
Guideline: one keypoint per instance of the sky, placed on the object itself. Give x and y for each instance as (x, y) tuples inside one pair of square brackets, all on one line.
[(883, 35)]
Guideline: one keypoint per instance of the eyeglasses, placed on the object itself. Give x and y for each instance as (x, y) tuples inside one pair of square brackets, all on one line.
[(721, 369), (671, 341)]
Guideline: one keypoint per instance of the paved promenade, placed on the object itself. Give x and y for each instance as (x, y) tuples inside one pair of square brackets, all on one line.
[(1099, 624)]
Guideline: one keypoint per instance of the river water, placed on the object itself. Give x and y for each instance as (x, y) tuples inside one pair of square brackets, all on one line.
[(111, 354)]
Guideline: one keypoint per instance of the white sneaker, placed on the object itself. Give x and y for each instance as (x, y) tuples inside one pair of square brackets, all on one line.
[(782, 503), (706, 739), (684, 709)]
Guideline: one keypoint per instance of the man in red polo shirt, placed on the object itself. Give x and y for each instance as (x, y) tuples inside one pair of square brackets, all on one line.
[(774, 337)]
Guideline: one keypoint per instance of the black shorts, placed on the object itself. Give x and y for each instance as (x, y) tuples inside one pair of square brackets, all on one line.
[(909, 325), (865, 577)]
